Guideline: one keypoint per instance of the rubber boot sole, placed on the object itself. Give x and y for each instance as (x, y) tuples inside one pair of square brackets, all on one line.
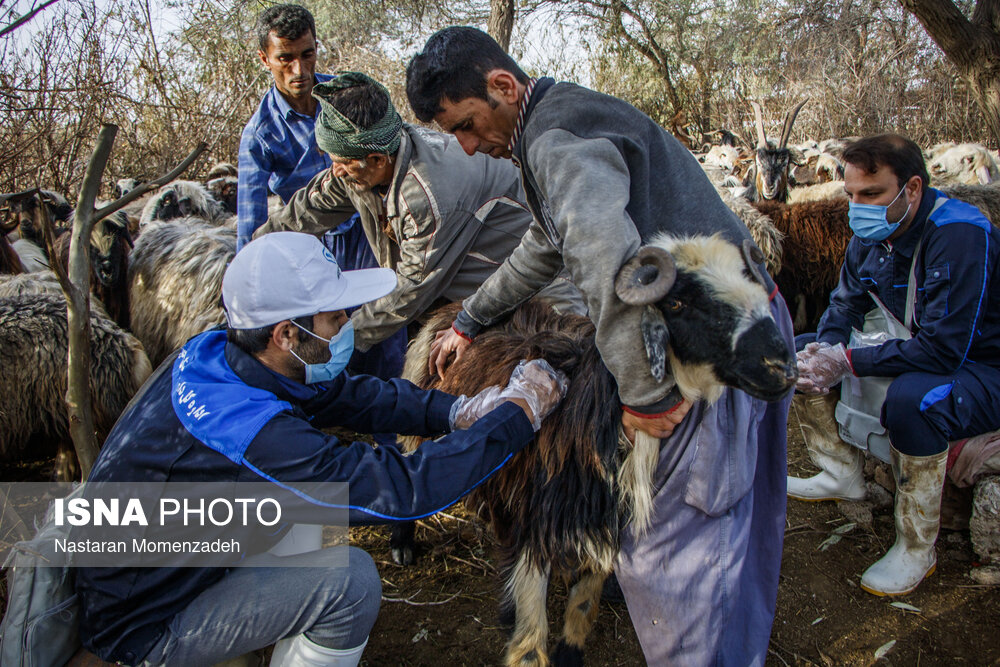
[(883, 594)]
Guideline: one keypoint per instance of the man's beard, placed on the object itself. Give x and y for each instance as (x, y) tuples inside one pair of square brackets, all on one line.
[(314, 351)]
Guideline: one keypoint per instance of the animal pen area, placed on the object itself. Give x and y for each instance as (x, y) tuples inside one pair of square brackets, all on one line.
[(764, 98), (445, 606)]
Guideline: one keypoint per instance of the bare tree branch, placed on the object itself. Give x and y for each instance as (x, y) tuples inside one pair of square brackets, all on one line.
[(27, 17)]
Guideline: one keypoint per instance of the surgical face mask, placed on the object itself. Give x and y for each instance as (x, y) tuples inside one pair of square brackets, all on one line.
[(868, 221), (341, 347)]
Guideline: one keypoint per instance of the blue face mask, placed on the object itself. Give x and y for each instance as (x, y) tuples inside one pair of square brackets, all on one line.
[(341, 348), (868, 221)]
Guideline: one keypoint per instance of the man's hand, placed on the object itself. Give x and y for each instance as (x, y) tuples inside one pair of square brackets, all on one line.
[(821, 366), (659, 427), (446, 342), (534, 386)]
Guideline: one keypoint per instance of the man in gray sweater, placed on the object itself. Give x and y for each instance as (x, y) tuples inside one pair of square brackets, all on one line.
[(444, 221), (601, 179)]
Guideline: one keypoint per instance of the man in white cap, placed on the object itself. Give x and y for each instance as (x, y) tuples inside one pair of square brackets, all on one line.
[(264, 387)]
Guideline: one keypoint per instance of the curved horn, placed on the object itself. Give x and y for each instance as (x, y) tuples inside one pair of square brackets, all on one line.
[(647, 277), (786, 129), (759, 118)]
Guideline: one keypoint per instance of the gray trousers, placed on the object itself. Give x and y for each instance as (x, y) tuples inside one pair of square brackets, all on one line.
[(253, 607)]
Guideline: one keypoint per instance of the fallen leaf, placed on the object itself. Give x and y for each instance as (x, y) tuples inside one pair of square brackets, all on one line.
[(829, 542), (817, 620), (884, 649), (904, 607), (846, 528), (420, 635)]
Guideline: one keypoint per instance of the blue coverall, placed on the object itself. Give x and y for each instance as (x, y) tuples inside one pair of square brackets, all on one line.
[(947, 382)]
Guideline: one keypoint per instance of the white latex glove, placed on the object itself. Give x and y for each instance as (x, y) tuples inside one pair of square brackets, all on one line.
[(821, 366), (535, 382)]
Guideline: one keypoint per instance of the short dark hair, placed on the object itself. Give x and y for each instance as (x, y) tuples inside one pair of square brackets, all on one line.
[(253, 341), (895, 151), (364, 104), (286, 21), (453, 66)]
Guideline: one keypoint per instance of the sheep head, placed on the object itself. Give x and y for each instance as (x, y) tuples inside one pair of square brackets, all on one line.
[(707, 313)]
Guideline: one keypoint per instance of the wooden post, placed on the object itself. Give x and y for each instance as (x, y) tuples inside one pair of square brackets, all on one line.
[(75, 282)]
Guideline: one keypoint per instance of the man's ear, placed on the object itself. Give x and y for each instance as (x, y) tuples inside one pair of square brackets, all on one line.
[(263, 59), (503, 84), (914, 186), (284, 334)]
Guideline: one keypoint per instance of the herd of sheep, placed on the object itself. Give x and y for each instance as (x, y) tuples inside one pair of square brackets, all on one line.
[(158, 266), (156, 276)]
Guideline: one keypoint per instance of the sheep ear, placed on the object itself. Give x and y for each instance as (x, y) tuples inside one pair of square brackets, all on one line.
[(753, 258), (656, 339)]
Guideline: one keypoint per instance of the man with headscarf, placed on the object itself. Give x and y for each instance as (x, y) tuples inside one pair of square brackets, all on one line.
[(444, 221)]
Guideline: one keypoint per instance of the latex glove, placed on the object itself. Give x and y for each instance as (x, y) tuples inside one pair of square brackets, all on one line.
[(444, 343), (659, 427), (535, 382), (821, 366)]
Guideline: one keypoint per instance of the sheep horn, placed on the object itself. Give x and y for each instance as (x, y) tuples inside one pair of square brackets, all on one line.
[(786, 129), (759, 117), (647, 277)]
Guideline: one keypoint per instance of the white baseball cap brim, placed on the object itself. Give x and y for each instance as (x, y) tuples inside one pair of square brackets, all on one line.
[(285, 275)]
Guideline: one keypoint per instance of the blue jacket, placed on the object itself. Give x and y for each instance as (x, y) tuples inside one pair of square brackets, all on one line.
[(214, 413), (957, 315)]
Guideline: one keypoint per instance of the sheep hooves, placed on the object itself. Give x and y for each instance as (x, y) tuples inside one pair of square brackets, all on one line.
[(647, 277)]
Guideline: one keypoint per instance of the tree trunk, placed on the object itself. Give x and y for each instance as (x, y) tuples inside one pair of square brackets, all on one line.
[(501, 22), (972, 46)]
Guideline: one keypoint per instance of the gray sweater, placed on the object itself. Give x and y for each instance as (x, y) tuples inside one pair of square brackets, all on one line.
[(601, 178)]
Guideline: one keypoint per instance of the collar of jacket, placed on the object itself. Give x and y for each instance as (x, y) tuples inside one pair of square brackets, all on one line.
[(403, 157), (286, 110), (541, 88)]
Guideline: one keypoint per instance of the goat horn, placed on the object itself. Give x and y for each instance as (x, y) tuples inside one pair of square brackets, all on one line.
[(647, 277), (759, 116), (786, 129)]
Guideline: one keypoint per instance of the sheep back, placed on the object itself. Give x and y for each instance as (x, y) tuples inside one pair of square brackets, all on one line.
[(557, 497), (33, 352), (175, 282)]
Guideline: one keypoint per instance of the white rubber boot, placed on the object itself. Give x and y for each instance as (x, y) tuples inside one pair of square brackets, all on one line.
[(299, 651), (842, 465), (919, 480)]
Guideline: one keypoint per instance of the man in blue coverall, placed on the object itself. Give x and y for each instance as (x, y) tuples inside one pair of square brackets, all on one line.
[(278, 152), (266, 385), (946, 377)]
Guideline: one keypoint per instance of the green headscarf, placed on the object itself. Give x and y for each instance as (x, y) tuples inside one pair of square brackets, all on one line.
[(338, 136)]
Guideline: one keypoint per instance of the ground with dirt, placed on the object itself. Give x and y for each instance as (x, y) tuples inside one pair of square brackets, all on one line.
[(445, 607)]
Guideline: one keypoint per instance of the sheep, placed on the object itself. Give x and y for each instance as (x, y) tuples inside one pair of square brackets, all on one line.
[(32, 257), (723, 157), (984, 197), (33, 352), (110, 243), (715, 310), (772, 160), (175, 281), (816, 235), (221, 170), (10, 261), (818, 192), (764, 233), (180, 199), (968, 164), (223, 189), (123, 186)]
